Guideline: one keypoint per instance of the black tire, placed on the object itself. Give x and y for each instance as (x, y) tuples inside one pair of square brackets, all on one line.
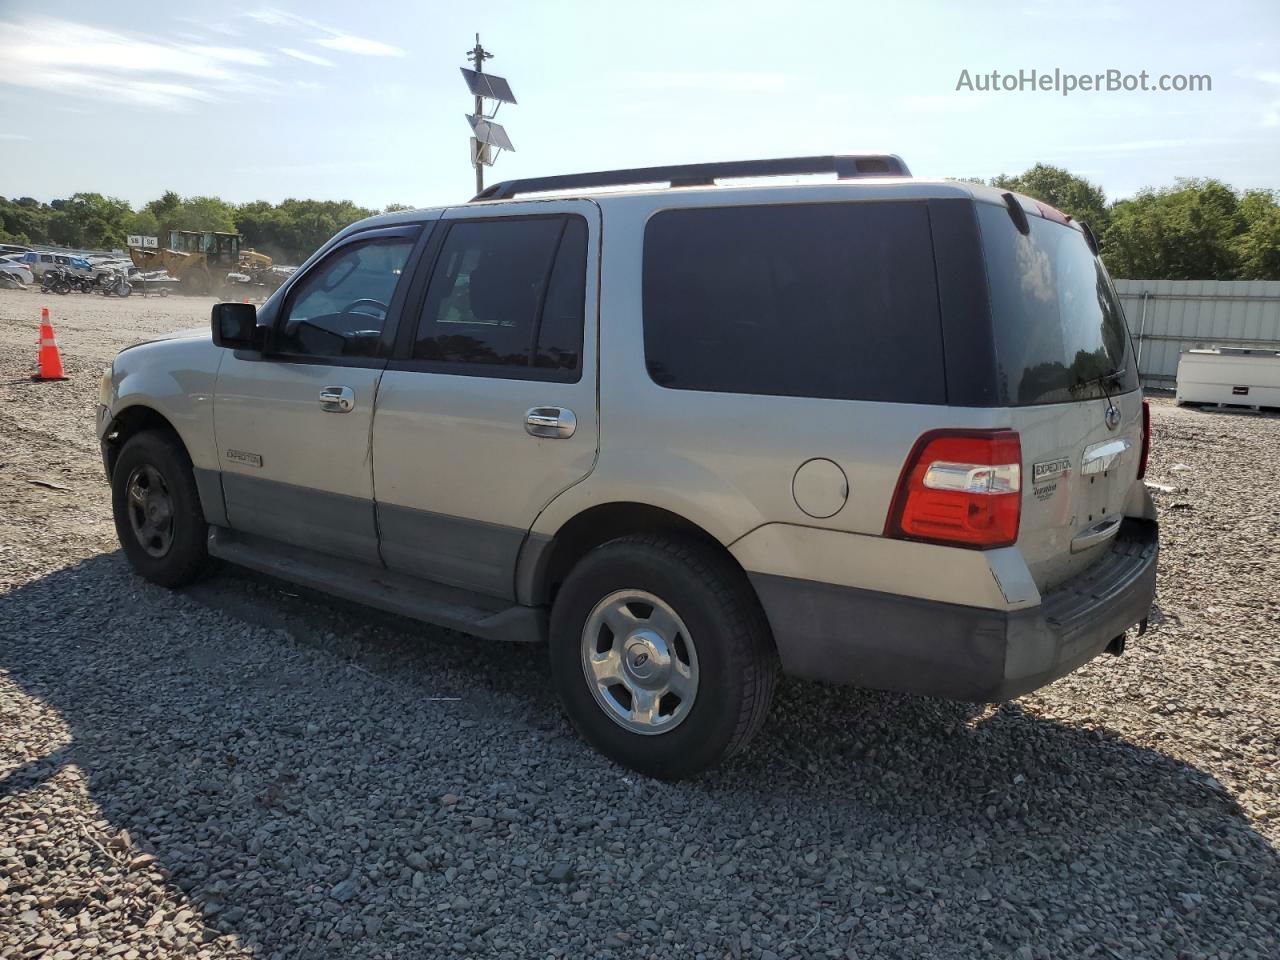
[(184, 556), (735, 652)]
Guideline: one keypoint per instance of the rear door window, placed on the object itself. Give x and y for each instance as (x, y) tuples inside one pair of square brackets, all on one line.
[(506, 296), (1057, 321), (835, 301)]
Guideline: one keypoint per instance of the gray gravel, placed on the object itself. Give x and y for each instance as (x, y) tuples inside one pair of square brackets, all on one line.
[(241, 769)]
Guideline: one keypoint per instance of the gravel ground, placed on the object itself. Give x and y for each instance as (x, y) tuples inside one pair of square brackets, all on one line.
[(239, 769)]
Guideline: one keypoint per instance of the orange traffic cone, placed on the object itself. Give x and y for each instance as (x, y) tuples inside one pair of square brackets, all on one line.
[(50, 361)]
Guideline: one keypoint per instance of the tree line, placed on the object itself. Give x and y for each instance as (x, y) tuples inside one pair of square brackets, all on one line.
[(1197, 229), (288, 231)]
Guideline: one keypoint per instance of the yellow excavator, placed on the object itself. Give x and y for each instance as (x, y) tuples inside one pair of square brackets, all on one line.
[(210, 262)]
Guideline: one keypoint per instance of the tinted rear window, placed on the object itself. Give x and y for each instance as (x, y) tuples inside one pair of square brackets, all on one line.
[(816, 300), (1056, 318)]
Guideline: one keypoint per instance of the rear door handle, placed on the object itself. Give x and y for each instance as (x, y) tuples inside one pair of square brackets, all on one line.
[(337, 399), (557, 423)]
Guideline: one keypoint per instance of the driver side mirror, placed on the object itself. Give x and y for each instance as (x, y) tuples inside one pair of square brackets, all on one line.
[(235, 325)]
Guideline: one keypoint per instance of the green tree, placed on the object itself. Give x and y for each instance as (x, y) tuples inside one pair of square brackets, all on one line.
[(1257, 249), (24, 220), (207, 213), (88, 220), (164, 209), (1184, 232), (143, 223)]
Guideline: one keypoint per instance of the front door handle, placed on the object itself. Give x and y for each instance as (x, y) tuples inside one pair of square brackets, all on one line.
[(554, 422), (337, 399)]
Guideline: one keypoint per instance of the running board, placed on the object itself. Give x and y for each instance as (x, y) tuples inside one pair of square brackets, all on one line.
[(398, 593)]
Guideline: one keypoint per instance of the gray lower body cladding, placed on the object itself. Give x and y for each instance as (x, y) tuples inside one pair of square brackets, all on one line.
[(891, 642)]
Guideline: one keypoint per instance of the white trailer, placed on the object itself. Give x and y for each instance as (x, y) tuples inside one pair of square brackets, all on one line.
[(1230, 375)]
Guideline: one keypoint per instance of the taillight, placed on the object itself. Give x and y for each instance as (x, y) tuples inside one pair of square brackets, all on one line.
[(1146, 439), (962, 488)]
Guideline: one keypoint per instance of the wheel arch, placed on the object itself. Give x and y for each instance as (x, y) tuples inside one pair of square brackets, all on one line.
[(544, 561), (138, 418), (129, 422)]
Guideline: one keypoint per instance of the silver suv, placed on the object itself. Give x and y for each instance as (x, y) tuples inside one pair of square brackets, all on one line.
[(871, 430)]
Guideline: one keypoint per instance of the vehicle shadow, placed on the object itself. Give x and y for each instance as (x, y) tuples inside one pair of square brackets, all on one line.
[(308, 785)]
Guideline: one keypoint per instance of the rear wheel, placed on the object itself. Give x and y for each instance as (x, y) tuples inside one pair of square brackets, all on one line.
[(661, 655), (157, 509)]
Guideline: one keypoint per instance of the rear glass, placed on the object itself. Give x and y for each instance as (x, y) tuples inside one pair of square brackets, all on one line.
[(816, 300), (1057, 321)]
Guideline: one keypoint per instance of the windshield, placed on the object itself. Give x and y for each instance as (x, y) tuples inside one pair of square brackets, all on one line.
[(1058, 326)]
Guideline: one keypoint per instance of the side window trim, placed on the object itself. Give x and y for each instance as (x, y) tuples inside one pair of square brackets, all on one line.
[(422, 230), (402, 356)]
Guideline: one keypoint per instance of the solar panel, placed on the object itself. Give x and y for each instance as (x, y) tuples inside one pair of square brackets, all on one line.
[(486, 131), (501, 90), (488, 85)]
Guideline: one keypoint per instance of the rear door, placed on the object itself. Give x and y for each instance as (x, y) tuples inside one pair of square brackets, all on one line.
[(1066, 371), (488, 409)]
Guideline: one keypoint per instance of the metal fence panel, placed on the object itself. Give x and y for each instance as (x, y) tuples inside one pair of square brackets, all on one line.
[(1168, 317)]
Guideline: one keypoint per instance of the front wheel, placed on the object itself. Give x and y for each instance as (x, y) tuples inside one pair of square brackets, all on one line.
[(157, 509), (661, 654)]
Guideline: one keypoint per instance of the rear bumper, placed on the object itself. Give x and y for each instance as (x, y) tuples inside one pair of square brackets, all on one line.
[(890, 642)]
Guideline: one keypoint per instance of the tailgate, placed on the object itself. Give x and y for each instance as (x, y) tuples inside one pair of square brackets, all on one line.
[(1067, 374), (1077, 475)]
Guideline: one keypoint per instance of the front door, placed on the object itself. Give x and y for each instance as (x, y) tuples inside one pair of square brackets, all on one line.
[(487, 410), (293, 424)]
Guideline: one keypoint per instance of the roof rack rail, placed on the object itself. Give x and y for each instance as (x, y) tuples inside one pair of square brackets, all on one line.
[(705, 174)]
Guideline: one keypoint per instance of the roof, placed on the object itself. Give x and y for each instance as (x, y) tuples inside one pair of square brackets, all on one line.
[(880, 173)]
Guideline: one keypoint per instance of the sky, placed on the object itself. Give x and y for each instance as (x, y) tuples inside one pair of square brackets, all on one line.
[(364, 101)]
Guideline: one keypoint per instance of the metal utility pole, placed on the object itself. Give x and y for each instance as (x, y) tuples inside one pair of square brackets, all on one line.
[(488, 139), (478, 55)]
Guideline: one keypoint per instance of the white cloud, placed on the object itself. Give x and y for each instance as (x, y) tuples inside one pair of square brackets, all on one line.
[(72, 58), (945, 102), (315, 58), (362, 45), (710, 81), (1267, 76), (333, 39), (14, 136)]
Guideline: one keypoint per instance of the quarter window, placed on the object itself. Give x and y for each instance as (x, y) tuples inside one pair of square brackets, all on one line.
[(835, 301), (508, 293), (339, 309)]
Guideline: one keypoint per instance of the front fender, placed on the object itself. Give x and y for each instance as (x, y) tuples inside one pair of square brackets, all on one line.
[(174, 378)]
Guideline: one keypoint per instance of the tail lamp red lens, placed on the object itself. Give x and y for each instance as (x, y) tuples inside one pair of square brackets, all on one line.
[(962, 488), (1146, 439)]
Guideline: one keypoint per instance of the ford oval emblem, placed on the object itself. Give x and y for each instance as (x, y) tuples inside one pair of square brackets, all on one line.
[(1112, 417)]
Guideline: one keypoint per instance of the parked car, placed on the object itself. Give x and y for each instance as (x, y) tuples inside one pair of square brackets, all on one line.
[(10, 248), (105, 267), (14, 267), (878, 431), (40, 261)]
